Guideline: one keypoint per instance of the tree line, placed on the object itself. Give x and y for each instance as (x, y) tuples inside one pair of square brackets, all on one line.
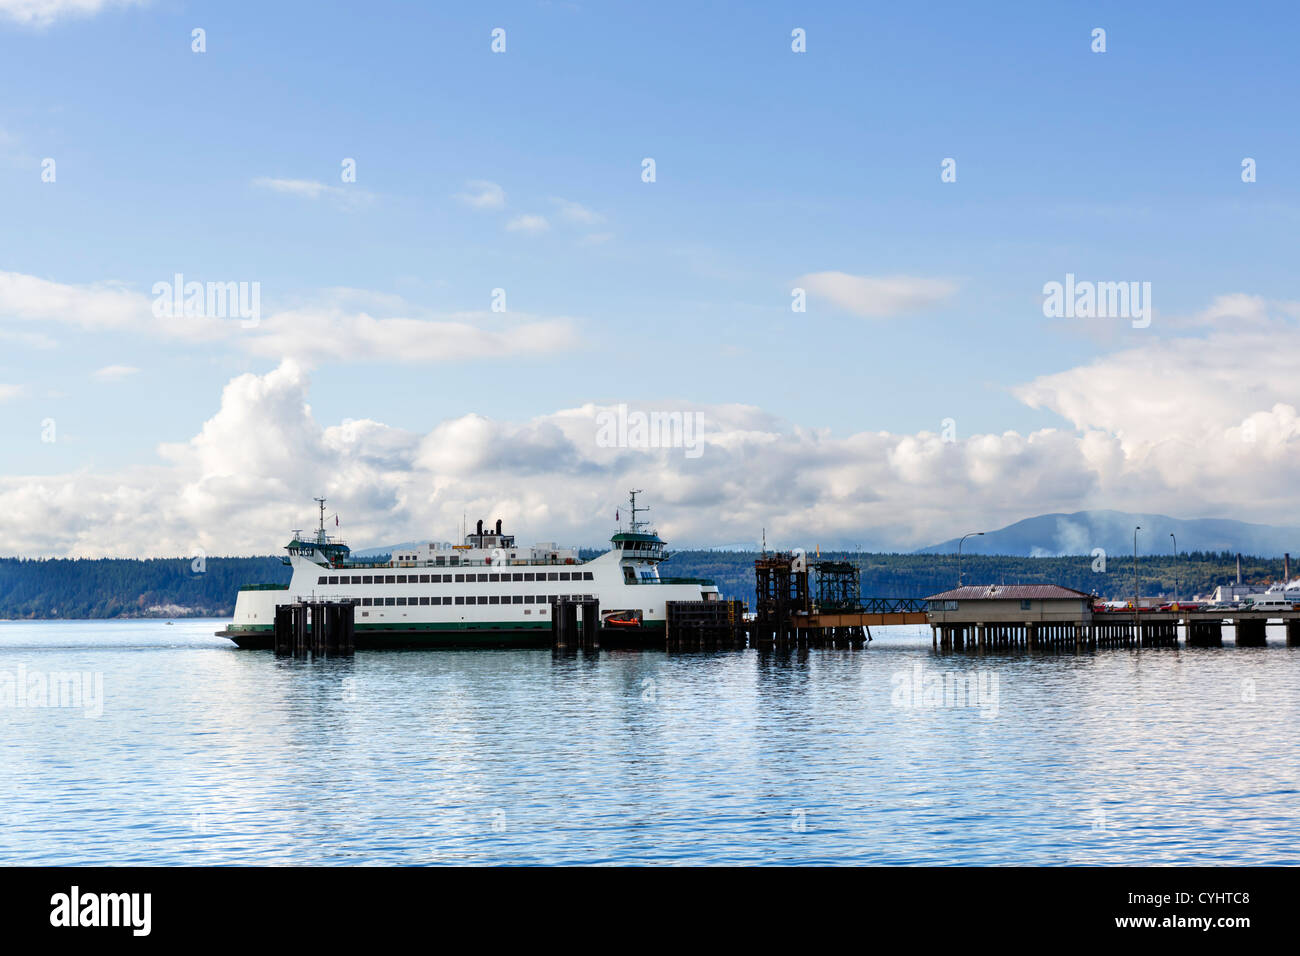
[(920, 575), (177, 587), (126, 587)]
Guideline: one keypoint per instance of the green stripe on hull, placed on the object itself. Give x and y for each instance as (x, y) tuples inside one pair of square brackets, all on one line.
[(446, 634)]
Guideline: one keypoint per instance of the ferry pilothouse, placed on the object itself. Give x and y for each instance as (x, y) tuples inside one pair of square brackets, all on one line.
[(488, 590)]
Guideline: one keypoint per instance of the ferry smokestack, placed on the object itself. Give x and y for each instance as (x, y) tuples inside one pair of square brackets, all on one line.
[(498, 525), (480, 531)]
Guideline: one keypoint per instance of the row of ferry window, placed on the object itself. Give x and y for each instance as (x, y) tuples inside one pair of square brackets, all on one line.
[(454, 578), (480, 599)]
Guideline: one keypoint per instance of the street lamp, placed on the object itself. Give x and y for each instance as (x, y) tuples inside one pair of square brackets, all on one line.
[(959, 544), (1175, 537), (1135, 570)]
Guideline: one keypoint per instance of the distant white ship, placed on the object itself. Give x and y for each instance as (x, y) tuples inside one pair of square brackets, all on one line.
[(486, 591)]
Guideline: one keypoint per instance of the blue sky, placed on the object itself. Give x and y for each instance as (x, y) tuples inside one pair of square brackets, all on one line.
[(771, 166)]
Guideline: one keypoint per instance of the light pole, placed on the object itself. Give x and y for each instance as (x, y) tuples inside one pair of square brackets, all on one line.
[(1175, 537), (959, 544), (1135, 571)]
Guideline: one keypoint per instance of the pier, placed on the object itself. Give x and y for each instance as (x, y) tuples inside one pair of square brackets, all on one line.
[(1044, 616), (817, 604)]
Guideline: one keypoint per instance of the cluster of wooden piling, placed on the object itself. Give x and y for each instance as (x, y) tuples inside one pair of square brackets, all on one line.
[(704, 625), (320, 628), (1159, 633), (574, 624), (795, 636), (1102, 633), (1054, 635), (1113, 633), (1250, 632), (1029, 634), (1293, 633)]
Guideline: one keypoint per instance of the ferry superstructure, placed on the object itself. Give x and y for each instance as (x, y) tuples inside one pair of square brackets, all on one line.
[(487, 591)]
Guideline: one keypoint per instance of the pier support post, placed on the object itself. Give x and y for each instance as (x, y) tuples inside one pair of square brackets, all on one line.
[(591, 625), (1250, 633), (1204, 634), (1293, 633)]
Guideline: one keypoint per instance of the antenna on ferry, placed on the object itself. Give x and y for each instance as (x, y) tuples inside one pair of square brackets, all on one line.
[(636, 525)]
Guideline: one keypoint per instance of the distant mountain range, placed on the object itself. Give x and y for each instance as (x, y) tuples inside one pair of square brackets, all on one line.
[(1082, 531), (1078, 533)]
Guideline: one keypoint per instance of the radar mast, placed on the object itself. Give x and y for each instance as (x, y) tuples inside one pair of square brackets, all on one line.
[(635, 526)]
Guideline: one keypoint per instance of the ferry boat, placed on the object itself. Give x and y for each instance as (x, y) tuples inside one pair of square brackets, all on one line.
[(487, 591)]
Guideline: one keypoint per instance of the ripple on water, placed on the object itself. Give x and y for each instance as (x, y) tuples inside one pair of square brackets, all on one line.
[(205, 754)]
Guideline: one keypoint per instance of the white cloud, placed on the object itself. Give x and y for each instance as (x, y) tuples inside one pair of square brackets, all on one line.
[(1174, 388), (1236, 311), (877, 296), (307, 188), (528, 223), (1209, 422), (34, 340), (319, 334), (483, 194), (41, 13), (313, 189), (332, 328), (249, 474), (1191, 427), (577, 213), (114, 373), (104, 305), (10, 391)]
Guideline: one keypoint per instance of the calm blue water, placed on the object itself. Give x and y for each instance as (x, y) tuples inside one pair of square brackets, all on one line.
[(205, 754)]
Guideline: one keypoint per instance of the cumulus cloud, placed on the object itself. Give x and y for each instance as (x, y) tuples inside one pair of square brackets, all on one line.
[(319, 334), (1237, 310), (576, 212), (1208, 423), (528, 223), (114, 373), (1174, 388), (102, 305), (41, 13), (34, 340), (333, 329), (249, 474), (10, 391), (877, 296), (313, 189), (483, 194)]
